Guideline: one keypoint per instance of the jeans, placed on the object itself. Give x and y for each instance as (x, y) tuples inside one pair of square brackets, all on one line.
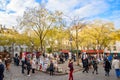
[(117, 71)]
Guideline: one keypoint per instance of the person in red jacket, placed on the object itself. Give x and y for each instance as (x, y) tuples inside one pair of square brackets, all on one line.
[(70, 65)]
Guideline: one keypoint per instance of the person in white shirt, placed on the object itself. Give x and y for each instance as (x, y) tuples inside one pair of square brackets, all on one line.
[(116, 66)]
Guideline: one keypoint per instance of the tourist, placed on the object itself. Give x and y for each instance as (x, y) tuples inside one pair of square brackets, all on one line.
[(116, 66), (28, 67), (51, 68), (34, 64), (71, 69), (85, 65), (107, 67)]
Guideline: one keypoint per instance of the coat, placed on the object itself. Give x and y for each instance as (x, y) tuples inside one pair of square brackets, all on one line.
[(1, 70), (51, 68), (107, 65), (70, 65), (116, 64), (34, 64)]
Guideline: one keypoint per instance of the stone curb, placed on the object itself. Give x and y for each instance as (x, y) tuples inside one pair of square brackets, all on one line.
[(59, 74)]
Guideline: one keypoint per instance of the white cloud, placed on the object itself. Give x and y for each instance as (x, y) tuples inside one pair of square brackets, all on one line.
[(85, 8), (6, 19), (18, 6), (62, 5), (92, 9), (81, 8)]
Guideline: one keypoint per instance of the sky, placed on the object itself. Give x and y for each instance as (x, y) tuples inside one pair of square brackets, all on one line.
[(108, 10)]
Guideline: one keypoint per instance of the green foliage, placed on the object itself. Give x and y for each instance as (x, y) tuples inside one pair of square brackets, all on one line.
[(49, 50)]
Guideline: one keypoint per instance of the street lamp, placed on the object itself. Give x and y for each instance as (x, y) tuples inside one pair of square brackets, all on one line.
[(32, 46), (70, 43)]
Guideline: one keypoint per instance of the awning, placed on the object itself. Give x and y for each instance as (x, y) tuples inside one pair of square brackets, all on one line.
[(65, 51), (93, 51)]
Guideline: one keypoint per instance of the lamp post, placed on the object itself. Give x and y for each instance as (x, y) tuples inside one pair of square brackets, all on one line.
[(32, 46), (70, 43)]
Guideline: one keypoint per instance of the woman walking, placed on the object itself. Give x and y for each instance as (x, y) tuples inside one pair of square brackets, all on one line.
[(116, 66), (33, 65), (70, 65)]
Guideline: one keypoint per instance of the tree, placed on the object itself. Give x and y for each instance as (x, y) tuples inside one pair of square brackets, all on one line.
[(100, 34), (39, 20), (77, 25), (7, 37)]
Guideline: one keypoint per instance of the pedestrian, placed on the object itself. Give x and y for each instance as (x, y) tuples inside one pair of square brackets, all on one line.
[(71, 69), (85, 65), (51, 68), (95, 65), (28, 67), (16, 60), (34, 65), (110, 58), (7, 63), (23, 66), (107, 67), (1, 70), (116, 66)]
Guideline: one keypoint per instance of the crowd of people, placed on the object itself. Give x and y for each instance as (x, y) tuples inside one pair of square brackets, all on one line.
[(49, 63), (108, 63)]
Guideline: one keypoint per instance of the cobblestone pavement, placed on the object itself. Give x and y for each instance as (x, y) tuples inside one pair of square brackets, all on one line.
[(15, 74)]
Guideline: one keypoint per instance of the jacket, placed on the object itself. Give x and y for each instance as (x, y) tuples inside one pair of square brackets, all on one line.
[(1, 69), (116, 64), (70, 65)]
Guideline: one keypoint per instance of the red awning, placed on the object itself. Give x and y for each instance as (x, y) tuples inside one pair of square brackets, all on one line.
[(93, 51), (83, 50), (65, 51)]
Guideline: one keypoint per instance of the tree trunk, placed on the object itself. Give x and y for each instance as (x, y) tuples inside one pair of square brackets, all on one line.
[(77, 56)]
